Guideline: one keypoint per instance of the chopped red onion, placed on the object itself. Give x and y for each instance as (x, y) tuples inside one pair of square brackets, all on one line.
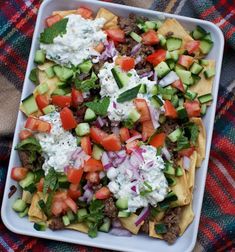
[(117, 161), (154, 113), (101, 175), (138, 155), (186, 163), (133, 188), (114, 105), (150, 164), (135, 49), (100, 122), (166, 153), (138, 59), (116, 130), (116, 223), (110, 50), (87, 195), (143, 215), (147, 74), (76, 153), (106, 161), (121, 153), (133, 138), (120, 232), (66, 168)]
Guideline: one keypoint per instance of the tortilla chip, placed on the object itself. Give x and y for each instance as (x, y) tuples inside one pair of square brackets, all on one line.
[(27, 197), (181, 190), (46, 65), (159, 216), (172, 25), (204, 86), (34, 210), (152, 232), (111, 19), (191, 173), (81, 227), (201, 141), (64, 13), (34, 219), (129, 223), (186, 217)]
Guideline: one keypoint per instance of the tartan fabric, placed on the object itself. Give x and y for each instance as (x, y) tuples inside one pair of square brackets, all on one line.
[(217, 225)]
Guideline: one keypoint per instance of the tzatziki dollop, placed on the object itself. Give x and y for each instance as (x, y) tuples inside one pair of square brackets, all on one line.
[(78, 43), (58, 145), (140, 180), (109, 88)]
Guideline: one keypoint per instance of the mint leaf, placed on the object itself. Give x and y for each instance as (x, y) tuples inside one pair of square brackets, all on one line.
[(88, 84), (30, 144), (99, 107), (182, 143), (50, 181), (192, 130), (128, 95), (59, 28)]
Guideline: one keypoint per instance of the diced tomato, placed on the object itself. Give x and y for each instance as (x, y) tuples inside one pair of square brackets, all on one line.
[(170, 110), (74, 191), (157, 57), (158, 140), (192, 46), (186, 152), (93, 178), (150, 38), (53, 19), (25, 134), (192, 108), (36, 124), (179, 85), (86, 145), (134, 133), (126, 63), (143, 109), (61, 100), (111, 143), (57, 207), (100, 47), (67, 119), (93, 165), (116, 34), (71, 204), (124, 134), (97, 135), (61, 195), (40, 185), (77, 97), (84, 12), (132, 145), (185, 60), (103, 193), (42, 101), (147, 129), (18, 173), (74, 175)]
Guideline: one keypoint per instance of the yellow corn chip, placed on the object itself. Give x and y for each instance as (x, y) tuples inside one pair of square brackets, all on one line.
[(152, 232), (129, 223), (27, 197), (34, 219), (64, 13), (159, 216), (111, 19), (186, 217), (81, 227), (191, 173), (46, 65), (34, 210)]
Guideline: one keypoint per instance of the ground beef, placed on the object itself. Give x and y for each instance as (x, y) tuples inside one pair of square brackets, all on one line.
[(110, 209), (143, 67), (145, 227), (56, 223), (26, 160), (98, 66), (129, 24), (171, 220), (126, 48), (169, 126)]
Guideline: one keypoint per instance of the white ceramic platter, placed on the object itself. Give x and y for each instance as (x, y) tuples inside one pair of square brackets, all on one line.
[(136, 242)]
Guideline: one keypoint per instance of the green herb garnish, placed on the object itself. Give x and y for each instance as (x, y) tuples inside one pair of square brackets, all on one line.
[(88, 84), (50, 181), (99, 107), (128, 95)]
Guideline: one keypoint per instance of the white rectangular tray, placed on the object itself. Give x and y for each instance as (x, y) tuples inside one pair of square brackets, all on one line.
[(136, 242)]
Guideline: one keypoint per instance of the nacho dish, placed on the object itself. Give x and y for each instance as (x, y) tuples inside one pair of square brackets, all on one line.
[(114, 133)]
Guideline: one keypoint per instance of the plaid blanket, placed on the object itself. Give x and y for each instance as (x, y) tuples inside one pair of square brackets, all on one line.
[(217, 226)]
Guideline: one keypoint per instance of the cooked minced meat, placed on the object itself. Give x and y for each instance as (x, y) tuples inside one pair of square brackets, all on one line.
[(56, 223), (110, 209)]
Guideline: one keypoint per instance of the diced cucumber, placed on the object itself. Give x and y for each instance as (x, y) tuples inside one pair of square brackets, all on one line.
[(178, 172), (173, 43), (175, 55), (89, 115), (162, 119), (205, 98), (123, 214), (162, 39), (181, 100), (171, 181), (136, 37), (40, 57), (156, 101), (179, 67), (27, 197), (175, 135), (171, 63), (62, 178), (185, 76), (134, 115), (196, 78), (50, 72), (182, 113), (120, 77), (162, 69), (209, 73), (105, 226), (150, 25), (48, 109), (143, 89), (175, 100), (86, 66), (24, 213), (33, 76), (199, 32), (160, 228), (205, 46), (66, 220), (71, 216), (40, 226), (203, 109), (203, 62), (42, 88), (59, 91), (81, 214), (190, 95), (208, 37), (28, 180), (122, 203), (97, 152), (82, 129), (196, 68), (154, 90), (168, 55), (169, 169), (63, 73), (19, 205), (30, 105)]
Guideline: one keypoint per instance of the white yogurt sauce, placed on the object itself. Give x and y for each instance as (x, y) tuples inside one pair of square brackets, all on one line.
[(110, 88), (58, 145), (148, 178), (78, 43)]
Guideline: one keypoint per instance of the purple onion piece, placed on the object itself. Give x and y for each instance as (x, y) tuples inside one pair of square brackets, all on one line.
[(116, 223), (147, 74), (120, 232), (142, 216), (133, 138), (135, 49)]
